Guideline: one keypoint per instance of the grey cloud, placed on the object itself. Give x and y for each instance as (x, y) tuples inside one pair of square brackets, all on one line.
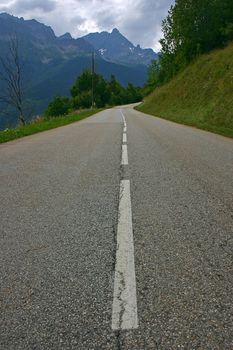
[(4, 9), (77, 20), (145, 27), (139, 20), (28, 5), (106, 21), (4, 5)]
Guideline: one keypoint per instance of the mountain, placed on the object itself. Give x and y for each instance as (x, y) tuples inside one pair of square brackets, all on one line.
[(52, 64), (114, 47), (37, 36)]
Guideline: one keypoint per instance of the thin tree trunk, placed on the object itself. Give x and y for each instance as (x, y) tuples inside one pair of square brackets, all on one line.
[(11, 74), (22, 120)]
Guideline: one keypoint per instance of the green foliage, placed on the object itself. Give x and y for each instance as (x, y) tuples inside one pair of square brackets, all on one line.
[(101, 91), (43, 125), (59, 106), (201, 95), (153, 72), (193, 27), (116, 92), (82, 100), (105, 92), (133, 94)]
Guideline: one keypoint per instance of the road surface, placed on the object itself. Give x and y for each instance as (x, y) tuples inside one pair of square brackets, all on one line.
[(117, 233)]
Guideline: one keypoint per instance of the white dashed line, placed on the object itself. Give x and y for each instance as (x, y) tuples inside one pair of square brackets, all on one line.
[(124, 121), (124, 160), (124, 138), (124, 313)]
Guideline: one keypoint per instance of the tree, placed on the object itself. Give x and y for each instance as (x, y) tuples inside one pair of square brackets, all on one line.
[(82, 100), (59, 106), (193, 27), (83, 84), (116, 91), (101, 93), (82, 90), (132, 94), (105, 92), (11, 74), (153, 74)]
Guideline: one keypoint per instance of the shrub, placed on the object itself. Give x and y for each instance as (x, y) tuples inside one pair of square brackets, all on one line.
[(59, 106)]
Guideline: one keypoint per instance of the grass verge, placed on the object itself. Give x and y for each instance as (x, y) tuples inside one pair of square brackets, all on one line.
[(44, 124), (190, 121), (200, 96)]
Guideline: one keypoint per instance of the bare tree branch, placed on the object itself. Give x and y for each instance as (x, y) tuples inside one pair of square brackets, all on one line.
[(11, 75)]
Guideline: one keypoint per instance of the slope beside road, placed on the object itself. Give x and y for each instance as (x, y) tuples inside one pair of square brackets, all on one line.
[(116, 233), (201, 95)]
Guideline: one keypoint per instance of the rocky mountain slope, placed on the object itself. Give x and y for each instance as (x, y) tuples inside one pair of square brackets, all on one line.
[(52, 64), (114, 47)]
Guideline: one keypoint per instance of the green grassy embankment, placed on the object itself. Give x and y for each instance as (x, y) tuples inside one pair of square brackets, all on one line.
[(44, 124), (200, 96)]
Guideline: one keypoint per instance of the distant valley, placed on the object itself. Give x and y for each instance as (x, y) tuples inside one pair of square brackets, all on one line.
[(51, 63)]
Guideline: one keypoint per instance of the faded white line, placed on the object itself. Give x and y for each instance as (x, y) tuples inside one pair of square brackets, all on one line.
[(124, 160), (124, 138), (125, 129), (124, 312), (124, 121)]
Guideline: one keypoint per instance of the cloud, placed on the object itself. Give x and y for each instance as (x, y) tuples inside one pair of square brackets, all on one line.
[(22, 6), (139, 20)]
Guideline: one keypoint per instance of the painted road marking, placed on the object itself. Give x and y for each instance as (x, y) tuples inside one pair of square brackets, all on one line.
[(124, 138), (124, 121), (124, 160), (125, 129), (124, 313)]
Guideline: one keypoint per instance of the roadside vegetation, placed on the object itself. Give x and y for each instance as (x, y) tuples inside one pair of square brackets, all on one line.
[(192, 28), (200, 96), (94, 89), (82, 104), (192, 83), (45, 123)]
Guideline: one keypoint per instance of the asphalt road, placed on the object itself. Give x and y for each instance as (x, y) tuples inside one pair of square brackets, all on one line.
[(111, 247)]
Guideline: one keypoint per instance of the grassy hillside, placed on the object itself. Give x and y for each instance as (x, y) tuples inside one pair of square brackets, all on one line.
[(201, 96)]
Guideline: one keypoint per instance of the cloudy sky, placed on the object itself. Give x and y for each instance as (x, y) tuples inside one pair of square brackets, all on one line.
[(138, 20)]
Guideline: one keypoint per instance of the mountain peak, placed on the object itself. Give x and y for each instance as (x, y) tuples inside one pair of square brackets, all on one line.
[(5, 15), (115, 31), (66, 36), (115, 47)]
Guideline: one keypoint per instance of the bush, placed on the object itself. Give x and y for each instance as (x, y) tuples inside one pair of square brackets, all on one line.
[(105, 92), (59, 106), (83, 100)]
